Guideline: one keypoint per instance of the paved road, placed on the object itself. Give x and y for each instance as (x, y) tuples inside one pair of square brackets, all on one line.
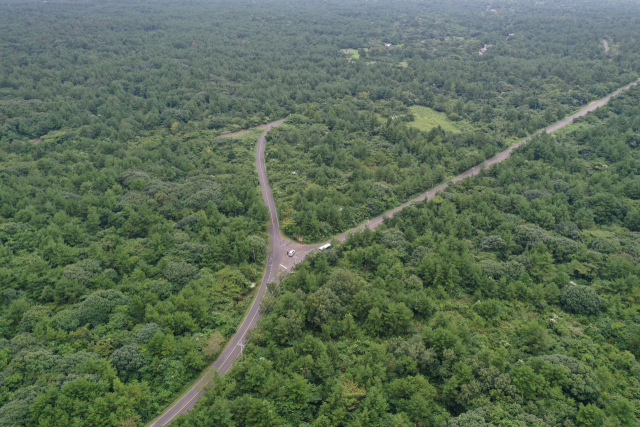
[(279, 263), (235, 345), (471, 172)]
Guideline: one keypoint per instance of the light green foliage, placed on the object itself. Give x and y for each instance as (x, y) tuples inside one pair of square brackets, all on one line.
[(426, 118)]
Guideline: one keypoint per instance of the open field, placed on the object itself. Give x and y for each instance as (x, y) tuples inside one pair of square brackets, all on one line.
[(353, 52), (427, 118)]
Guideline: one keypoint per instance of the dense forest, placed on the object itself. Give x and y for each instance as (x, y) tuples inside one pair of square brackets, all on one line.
[(132, 228), (510, 299)]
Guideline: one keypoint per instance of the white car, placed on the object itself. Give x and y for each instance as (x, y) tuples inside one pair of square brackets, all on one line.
[(291, 252)]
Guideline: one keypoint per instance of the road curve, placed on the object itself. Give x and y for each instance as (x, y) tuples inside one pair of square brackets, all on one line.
[(235, 345), (278, 262)]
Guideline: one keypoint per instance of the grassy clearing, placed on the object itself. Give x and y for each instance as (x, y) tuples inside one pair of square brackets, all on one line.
[(427, 118), (353, 52)]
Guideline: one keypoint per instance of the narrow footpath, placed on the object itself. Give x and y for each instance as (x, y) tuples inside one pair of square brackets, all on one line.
[(278, 263)]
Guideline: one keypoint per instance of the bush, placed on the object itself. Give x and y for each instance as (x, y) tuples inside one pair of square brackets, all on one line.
[(33, 316), (568, 229), (605, 245), (127, 359), (199, 200), (493, 269), (82, 271), (530, 236), (146, 333), (579, 299), (66, 320), (489, 309), (418, 253), (393, 238), (97, 307), (187, 221), (493, 243), (180, 273)]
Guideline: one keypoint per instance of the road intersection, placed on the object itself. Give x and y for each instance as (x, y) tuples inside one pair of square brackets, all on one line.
[(278, 263)]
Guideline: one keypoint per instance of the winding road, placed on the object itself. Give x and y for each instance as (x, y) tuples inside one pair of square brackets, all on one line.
[(279, 263)]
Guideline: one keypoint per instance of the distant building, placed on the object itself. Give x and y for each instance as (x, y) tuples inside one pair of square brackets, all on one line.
[(346, 51), (387, 45)]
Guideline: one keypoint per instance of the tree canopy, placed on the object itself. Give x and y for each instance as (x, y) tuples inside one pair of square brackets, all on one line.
[(133, 230)]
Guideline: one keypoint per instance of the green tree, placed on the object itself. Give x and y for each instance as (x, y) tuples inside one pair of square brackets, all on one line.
[(580, 300), (97, 307), (590, 416), (127, 360)]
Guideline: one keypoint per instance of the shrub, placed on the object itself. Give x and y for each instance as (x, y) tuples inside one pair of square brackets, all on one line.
[(180, 273), (187, 221), (199, 200), (605, 245), (66, 320), (568, 229), (489, 309), (493, 243), (579, 299), (33, 316), (393, 238), (146, 333), (127, 359), (97, 307), (493, 269), (82, 271)]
